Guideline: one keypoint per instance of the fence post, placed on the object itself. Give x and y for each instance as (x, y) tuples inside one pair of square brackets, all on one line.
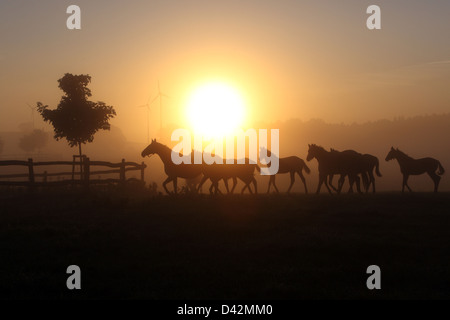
[(31, 173), (142, 171), (73, 168), (122, 171), (86, 171)]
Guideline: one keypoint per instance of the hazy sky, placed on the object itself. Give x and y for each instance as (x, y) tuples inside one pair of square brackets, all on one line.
[(289, 59)]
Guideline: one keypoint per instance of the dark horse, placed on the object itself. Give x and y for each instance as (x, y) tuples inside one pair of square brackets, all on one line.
[(173, 171), (410, 166), (371, 163), (216, 172), (291, 165), (365, 165), (343, 163)]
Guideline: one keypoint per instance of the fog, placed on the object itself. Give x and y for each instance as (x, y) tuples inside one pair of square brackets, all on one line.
[(422, 136)]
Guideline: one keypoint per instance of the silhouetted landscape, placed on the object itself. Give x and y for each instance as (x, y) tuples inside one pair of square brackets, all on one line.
[(114, 116), (419, 137), (134, 242)]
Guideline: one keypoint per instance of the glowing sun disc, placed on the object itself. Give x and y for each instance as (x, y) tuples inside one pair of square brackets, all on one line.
[(215, 110)]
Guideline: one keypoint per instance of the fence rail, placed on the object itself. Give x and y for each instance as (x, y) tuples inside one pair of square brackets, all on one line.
[(84, 175)]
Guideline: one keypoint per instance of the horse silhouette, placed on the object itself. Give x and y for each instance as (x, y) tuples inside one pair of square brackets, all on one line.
[(291, 165), (352, 178), (173, 171), (410, 166), (344, 163), (372, 163), (364, 165), (216, 172)]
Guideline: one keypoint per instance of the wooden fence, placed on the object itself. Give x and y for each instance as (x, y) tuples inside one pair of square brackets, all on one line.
[(84, 174)]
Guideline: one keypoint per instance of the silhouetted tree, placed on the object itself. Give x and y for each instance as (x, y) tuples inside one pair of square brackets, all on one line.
[(37, 139), (76, 118)]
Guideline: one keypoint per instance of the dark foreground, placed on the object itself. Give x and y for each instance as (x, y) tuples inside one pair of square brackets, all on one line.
[(130, 245)]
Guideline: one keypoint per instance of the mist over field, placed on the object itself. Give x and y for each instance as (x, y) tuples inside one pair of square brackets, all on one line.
[(421, 136)]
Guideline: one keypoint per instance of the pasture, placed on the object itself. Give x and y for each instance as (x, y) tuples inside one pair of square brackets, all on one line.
[(133, 244)]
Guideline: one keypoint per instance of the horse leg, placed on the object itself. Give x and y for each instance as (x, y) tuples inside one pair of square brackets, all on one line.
[(366, 180), (211, 187), (358, 184), (216, 186), (270, 182), (371, 181), (201, 183), (340, 183), (351, 180), (165, 183), (436, 179), (405, 183), (292, 173), (245, 187), (225, 181), (326, 185), (303, 180), (234, 184), (321, 178), (255, 184), (175, 183), (330, 181), (274, 185)]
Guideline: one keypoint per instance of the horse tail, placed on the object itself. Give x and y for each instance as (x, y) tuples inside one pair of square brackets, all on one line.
[(441, 169), (377, 167), (307, 169)]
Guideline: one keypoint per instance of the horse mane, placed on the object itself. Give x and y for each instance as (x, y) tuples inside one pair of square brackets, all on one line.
[(403, 154), (319, 147), (163, 145)]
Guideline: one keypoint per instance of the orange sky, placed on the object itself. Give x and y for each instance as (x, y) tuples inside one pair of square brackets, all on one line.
[(289, 59)]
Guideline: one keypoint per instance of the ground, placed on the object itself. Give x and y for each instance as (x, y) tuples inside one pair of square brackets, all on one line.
[(132, 244)]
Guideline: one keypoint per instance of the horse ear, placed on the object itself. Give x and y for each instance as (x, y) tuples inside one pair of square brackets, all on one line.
[(392, 148)]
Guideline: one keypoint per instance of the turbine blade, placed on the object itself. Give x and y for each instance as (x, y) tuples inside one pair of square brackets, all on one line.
[(157, 96)]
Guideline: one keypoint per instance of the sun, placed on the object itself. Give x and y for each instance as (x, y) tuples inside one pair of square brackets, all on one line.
[(215, 110)]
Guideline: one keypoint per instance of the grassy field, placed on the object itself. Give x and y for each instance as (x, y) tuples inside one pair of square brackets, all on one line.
[(130, 244)]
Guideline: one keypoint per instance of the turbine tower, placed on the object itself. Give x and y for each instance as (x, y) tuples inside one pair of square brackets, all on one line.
[(160, 95), (147, 105)]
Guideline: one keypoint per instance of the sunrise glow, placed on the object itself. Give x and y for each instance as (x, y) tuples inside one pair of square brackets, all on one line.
[(215, 109)]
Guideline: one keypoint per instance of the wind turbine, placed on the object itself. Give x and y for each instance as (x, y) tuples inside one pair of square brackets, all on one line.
[(147, 105), (160, 95), (32, 113)]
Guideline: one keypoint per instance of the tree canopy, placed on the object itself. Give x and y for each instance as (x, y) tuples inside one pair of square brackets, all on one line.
[(76, 118)]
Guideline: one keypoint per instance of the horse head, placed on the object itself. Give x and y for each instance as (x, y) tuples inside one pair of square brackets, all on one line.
[(312, 152), (391, 155), (151, 149)]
